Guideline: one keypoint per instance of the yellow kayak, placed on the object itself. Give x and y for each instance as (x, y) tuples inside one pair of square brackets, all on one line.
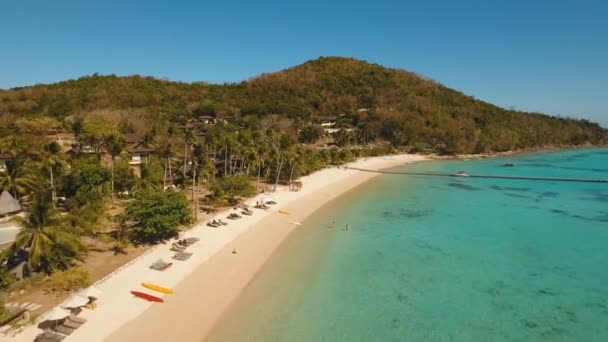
[(284, 212), (157, 288)]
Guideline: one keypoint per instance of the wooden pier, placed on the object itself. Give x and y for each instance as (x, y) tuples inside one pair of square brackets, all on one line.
[(439, 174)]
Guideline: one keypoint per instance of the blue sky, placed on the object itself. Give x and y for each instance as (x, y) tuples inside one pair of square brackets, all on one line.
[(547, 56)]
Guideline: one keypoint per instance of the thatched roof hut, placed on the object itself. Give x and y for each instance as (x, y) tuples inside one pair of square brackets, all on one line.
[(8, 205)]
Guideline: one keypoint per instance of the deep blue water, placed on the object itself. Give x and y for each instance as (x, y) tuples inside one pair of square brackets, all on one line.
[(444, 259)]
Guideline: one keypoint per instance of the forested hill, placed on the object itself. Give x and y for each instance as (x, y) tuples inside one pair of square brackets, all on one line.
[(376, 102)]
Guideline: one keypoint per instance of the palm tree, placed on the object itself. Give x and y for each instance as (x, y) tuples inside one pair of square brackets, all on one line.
[(17, 178), (52, 161), (41, 230), (188, 141), (167, 155), (115, 145)]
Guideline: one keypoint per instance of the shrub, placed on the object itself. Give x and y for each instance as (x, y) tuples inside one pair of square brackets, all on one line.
[(232, 186), (60, 259), (6, 278), (67, 281)]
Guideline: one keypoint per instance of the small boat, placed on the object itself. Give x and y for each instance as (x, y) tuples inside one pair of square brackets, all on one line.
[(509, 164), (147, 297), (284, 212), (157, 288), (460, 174)]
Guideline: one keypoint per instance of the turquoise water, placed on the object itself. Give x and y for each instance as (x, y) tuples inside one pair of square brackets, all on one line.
[(444, 259)]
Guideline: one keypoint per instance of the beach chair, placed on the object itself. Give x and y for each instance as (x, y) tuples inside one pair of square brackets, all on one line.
[(49, 336), (76, 319), (233, 216), (182, 256), (211, 224), (178, 248), (222, 222), (64, 330), (247, 212), (192, 240), (71, 325), (160, 265)]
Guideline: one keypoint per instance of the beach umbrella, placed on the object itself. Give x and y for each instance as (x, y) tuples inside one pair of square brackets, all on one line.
[(91, 291), (56, 314), (75, 302)]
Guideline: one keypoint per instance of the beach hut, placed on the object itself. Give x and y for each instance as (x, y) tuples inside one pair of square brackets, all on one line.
[(8, 205)]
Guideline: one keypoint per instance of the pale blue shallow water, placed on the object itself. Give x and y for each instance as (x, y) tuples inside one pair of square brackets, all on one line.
[(444, 259)]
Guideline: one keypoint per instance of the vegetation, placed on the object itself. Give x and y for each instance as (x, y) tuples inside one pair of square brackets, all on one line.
[(6, 277), (42, 234), (232, 186), (67, 281), (158, 215), (395, 105), (88, 183), (128, 158)]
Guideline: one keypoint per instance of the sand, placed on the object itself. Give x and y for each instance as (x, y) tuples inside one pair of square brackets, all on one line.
[(213, 278)]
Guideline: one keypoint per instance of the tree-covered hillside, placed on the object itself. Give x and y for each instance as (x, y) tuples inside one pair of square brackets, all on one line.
[(375, 102)]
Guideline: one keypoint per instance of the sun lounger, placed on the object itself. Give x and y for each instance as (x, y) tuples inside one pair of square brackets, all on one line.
[(44, 338), (182, 256), (211, 224), (192, 240), (64, 330), (49, 336), (77, 319), (70, 324), (178, 248), (247, 212), (271, 202), (160, 265)]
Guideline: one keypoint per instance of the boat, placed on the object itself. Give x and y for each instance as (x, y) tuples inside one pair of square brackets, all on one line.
[(284, 212), (157, 288), (460, 174), (147, 297), (509, 164)]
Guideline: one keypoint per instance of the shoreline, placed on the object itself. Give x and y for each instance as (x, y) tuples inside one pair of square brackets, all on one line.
[(220, 281), (214, 275)]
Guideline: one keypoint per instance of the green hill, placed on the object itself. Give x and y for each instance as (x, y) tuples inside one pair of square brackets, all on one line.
[(377, 102)]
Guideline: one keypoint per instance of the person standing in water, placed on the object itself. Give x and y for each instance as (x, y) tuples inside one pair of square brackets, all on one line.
[(332, 225), (347, 227)]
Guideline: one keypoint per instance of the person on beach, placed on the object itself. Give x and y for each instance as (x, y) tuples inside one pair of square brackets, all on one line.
[(233, 250), (332, 225), (347, 227)]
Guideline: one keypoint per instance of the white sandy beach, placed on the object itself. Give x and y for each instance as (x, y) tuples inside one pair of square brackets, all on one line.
[(206, 284)]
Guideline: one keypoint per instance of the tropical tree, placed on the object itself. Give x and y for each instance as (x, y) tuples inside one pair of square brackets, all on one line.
[(42, 231), (18, 178), (96, 134), (52, 162), (157, 215), (88, 182), (115, 144), (310, 134)]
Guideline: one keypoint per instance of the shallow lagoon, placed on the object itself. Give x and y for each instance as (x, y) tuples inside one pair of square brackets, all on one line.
[(444, 259)]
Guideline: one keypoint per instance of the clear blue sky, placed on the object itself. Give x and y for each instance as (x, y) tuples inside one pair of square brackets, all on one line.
[(548, 56)]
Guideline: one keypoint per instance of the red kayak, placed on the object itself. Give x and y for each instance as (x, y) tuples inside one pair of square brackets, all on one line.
[(147, 297)]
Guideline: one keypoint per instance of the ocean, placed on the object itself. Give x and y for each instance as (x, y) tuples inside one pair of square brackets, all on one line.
[(443, 259)]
